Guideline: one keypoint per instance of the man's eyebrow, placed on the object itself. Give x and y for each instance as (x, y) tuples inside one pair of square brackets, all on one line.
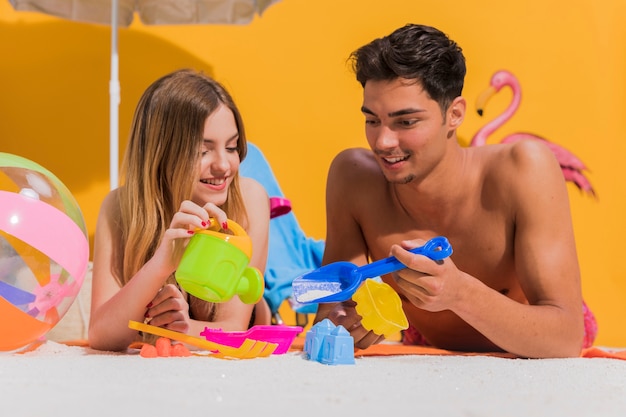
[(367, 111), (402, 112)]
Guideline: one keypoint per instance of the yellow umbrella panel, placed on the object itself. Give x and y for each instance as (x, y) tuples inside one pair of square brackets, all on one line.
[(151, 12)]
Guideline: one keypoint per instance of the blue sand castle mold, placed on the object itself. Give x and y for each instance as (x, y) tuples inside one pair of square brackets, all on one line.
[(338, 348), (329, 344), (315, 337)]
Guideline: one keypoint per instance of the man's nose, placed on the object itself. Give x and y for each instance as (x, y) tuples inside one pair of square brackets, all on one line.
[(386, 138)]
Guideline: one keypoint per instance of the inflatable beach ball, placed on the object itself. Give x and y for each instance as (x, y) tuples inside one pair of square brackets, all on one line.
[(44, 251)]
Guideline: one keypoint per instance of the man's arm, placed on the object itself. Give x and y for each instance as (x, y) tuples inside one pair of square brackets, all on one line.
[(545, 258), (344, 240), (551, 324)]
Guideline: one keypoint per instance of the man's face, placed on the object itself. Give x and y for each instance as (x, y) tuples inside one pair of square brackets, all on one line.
[(404, 128)]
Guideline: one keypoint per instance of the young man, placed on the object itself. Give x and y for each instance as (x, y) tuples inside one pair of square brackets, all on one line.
[(513, 281)]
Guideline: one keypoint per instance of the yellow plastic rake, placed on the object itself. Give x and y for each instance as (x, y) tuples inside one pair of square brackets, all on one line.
[(249, 348)]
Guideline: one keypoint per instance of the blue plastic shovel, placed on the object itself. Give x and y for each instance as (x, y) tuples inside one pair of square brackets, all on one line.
[(339, 280)]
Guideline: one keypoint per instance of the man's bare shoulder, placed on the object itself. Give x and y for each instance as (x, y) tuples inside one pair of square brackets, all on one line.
[(354, 170), (354, 161), (354, 153), (513, 175), (517, 154), (519, 162), (533, 152)]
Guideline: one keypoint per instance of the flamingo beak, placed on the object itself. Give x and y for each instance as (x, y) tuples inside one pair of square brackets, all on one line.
[(483, 98)]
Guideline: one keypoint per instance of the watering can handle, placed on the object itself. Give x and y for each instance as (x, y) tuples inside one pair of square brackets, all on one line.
[(239, 237), (232, 226)]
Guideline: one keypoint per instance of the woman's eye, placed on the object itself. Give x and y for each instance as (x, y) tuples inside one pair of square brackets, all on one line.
[(232, 149)]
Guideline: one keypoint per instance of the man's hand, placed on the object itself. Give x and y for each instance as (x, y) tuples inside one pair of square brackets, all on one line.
[(345, 314), (427, 284)]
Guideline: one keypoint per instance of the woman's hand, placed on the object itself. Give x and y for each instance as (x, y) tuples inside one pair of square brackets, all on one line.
[(186, 220), (169, 309)]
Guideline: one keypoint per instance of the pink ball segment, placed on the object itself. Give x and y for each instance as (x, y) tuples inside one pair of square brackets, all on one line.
[(44, 251)]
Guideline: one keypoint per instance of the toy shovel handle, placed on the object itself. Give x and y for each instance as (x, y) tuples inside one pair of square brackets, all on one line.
[(437, 248)]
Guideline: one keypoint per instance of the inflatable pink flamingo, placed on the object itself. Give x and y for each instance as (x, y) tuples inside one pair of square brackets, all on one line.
[(571, 165)]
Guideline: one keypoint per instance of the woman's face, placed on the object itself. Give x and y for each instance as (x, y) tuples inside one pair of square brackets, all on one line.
[(219, 160)]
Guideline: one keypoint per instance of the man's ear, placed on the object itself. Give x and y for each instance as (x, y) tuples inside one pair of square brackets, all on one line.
[(456, 112)]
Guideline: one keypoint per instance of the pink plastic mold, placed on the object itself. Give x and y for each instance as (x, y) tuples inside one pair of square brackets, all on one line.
[(279, 334)]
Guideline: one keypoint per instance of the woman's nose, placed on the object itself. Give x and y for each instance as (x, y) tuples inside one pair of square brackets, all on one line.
[(220, 162)]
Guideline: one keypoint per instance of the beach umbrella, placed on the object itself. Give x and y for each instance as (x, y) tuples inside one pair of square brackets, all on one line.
[(120, 13)]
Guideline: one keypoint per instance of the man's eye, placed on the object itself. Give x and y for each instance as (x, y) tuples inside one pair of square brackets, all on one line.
[(371, 122), (407, 123)]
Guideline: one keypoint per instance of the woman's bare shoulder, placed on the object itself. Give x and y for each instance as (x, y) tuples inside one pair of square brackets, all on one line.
[(110, 206), (252, 188), (256, 199)]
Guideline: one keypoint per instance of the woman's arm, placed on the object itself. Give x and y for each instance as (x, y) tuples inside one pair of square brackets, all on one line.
[(113, 306)]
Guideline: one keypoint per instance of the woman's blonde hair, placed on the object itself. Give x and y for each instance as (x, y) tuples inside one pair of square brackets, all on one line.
[(161, 162)]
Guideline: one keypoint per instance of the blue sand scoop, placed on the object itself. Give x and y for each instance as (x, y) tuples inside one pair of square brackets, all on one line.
[(339, 280)]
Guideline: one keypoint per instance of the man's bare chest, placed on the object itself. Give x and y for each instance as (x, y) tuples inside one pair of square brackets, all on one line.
[(482, 240)]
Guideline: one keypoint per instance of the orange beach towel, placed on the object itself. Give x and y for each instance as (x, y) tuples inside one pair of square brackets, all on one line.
[(390, 349)]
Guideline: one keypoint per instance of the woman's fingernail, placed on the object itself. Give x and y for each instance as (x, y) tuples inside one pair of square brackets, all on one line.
[(149, 305), (225, 225), (146, 315), (190, 232), (203, 224)]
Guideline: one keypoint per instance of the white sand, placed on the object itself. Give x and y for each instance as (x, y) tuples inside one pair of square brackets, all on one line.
[(58, 380)]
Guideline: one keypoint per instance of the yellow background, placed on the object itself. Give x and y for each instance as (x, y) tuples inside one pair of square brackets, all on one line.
[(287, 71)]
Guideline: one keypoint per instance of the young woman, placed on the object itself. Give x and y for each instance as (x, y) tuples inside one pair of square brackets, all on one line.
[(181, 168)]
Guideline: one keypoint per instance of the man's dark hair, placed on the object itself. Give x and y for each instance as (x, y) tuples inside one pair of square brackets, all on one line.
[(417, 53)]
